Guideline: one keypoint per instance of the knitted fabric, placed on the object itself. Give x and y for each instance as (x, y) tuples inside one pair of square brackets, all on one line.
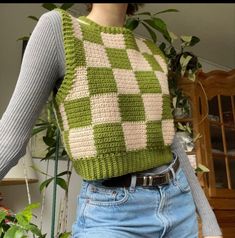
[(113, 106)]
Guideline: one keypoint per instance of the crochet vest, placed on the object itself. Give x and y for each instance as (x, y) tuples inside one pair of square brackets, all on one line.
[(113, 107)]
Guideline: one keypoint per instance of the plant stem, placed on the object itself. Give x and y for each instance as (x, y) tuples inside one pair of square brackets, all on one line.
[(44, 196), (55, 184)]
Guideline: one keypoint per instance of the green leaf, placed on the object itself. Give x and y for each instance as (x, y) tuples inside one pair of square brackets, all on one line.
[(162, 46), (131, 23), (151, 32), (43, 123), (66, 6), (50, 153), (22, 220), (64, 152), (49, 6), (168, 10), (144, 13), (49, 141), (14, 232), (160, 26), (194, 41), (3, 214), (172, 52), (36, 130), (62, 183), (202, 168), (180, 126), (34, 229), (27, 212), (191, 75), (33, 18), (64, 173), (189, 40), (174, 99), (23, 38), (186, 38), (188, 129), (184, 60), (65, 235), (45, 183), (173, 36)]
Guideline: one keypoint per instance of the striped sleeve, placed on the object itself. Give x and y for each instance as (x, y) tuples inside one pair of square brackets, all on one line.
[(39, 71)]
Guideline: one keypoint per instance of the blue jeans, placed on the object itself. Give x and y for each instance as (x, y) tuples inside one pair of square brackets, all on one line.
[(136, 212)]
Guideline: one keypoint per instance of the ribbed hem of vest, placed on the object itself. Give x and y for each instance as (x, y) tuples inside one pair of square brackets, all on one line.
[(114, 165)]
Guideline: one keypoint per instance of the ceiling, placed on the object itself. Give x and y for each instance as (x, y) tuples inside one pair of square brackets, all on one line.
[(214, 24)]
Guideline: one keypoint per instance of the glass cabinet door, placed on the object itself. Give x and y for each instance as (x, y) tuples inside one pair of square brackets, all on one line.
[(222, 138)]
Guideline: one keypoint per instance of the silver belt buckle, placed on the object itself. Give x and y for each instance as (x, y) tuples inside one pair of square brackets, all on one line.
[(148, 181)]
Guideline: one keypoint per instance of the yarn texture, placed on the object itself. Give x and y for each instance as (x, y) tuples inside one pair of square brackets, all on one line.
[(113, 106)]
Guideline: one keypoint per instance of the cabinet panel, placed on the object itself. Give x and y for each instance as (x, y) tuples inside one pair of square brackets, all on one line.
[(213, 107), (216, 138), (230, 140), (220, 173), (232, 171)]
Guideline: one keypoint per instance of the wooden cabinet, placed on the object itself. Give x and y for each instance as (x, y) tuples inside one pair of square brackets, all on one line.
[(212, 99)]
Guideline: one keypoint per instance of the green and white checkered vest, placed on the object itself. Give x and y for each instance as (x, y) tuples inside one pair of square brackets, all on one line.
[(113, 106)]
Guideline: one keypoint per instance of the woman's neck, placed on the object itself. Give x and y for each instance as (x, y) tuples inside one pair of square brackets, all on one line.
[(108, 14)]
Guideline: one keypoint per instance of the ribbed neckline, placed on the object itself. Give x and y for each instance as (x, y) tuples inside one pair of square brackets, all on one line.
[(108, 29)]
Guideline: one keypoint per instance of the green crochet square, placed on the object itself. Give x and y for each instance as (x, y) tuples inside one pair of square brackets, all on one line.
[(166, 107), (89, 34), (80, 59), (78, 112), (130, 42), (154, 48), (154, 134), (152, 61), (148, 82), (131, 107), (101, 80), (109, 138), (118, 58)]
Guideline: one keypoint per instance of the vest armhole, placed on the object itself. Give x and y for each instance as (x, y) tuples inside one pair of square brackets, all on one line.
[(69, 48)]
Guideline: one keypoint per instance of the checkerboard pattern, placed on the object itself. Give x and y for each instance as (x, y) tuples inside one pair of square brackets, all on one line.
[(114, 101)]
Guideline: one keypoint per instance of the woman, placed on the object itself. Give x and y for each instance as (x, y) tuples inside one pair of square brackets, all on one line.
[(111, 100)]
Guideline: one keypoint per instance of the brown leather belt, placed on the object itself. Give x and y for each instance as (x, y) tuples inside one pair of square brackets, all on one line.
[(144, 181)]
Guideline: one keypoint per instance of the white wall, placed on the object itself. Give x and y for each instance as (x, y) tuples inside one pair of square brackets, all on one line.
[(13, 24), (10, 59)]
